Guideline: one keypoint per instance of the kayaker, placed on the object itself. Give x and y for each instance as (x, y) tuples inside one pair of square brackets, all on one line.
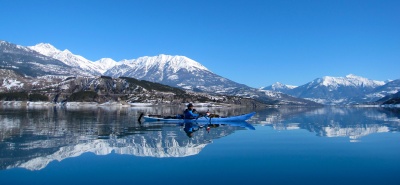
[(189, 112)]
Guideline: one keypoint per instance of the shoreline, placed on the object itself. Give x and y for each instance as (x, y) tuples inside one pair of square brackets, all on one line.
[(107, 104), (124, 104)]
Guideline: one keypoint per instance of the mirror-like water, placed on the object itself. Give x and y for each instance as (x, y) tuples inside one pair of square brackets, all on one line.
[(99, 145)]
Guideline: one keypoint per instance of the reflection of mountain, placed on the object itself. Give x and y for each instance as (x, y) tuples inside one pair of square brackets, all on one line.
[(333, 121), (32, 139), (156, 144), (352, 133)]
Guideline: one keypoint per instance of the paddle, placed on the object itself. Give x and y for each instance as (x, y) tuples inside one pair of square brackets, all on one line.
[(140, 118), (200, 115), (205, 116)]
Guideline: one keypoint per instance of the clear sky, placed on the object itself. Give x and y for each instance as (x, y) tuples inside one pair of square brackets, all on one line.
[(253, 42)]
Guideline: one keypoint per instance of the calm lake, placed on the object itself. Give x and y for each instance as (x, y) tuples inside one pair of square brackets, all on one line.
[(107, 145)]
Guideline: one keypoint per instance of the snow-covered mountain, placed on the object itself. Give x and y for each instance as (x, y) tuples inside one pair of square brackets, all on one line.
[(337, 90), (279, 87), (28, 62), (349, 81), (390, 88), (180, 71), (166, 69), (350, 89), (70, 59), (174, 71), (183, 72)]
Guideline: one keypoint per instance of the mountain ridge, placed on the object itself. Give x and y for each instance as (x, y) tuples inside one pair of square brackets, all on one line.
[(177, 71), (351, 89), (183, 72), (31, 63)]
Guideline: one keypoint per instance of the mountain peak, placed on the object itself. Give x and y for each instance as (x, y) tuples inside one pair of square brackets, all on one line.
[(105, 60), (67, 51), (45, 45), (162, 61), (67, 57), (279, 87), (352, 76), (45, 49), (105, 63)]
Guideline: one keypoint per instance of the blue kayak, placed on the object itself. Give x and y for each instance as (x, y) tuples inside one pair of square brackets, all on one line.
[(177, 118)]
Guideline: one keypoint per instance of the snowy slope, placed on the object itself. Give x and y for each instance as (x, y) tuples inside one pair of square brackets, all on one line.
[(10, 80), (390, 88), (69, 58), (28, 62), (177, 71), (105, 64), (171, 63), (337, 90), (161, 66), (349, 81)]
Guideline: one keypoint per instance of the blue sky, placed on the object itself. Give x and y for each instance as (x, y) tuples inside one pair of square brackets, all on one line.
[(253, 42)]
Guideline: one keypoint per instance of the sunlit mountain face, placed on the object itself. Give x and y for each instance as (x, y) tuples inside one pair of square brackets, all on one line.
[(348, 90)]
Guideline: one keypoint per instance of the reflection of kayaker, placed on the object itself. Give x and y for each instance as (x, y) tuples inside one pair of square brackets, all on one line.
[(209, 126), (190, 128)]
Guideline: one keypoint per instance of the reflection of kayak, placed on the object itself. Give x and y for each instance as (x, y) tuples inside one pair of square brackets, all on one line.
[(242, 124), (176, 118)]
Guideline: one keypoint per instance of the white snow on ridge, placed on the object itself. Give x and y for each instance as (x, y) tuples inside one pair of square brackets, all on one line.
[(45, 49), (174, 63), (349, 80), (105, 64), (66, 57), (279, 86), (168, 62)]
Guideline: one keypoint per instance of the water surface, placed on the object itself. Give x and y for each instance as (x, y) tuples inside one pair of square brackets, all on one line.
[(103, 145)]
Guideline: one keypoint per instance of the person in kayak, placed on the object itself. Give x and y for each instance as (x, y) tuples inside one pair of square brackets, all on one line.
[(189, 112)]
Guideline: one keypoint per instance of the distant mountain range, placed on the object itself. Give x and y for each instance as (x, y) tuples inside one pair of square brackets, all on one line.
[(176, 71), (350, 89), (185, 73)]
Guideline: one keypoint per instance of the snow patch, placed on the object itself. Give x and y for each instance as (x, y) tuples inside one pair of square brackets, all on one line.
[(12, 83)]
